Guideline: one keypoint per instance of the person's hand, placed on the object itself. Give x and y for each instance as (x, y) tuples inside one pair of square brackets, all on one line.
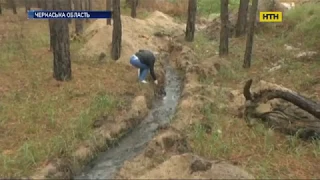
[(156, 82)]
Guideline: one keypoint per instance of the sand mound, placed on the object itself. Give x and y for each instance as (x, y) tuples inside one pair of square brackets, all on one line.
[(136, 34), (190, 166), (168, 156)]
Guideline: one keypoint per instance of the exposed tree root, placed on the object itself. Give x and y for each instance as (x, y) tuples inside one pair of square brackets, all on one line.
[(283, 110)]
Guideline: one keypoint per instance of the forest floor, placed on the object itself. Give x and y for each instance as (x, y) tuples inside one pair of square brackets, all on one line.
[(207, 116), (42, 119)]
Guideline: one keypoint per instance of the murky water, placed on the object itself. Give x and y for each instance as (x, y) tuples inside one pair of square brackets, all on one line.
[(108, 163)]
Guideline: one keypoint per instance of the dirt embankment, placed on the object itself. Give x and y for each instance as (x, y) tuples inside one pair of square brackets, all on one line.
[(169, 154), (137, 34)]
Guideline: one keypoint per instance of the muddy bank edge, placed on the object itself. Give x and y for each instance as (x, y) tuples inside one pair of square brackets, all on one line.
[(107, 131), (169, 154)]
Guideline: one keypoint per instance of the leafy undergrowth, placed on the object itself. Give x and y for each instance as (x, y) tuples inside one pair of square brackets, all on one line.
[(41, 118), (261, 151)]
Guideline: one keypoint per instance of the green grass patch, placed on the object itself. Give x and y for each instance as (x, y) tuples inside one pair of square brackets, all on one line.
[(71, 133), (207, 7), (304, 22), (40, 118), (260, 150)]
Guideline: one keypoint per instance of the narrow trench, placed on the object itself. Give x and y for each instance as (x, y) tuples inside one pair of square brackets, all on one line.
[(106, 164)]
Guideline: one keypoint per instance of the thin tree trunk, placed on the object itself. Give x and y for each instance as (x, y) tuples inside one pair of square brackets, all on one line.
[(242, 18), (44, 5), (190, 28), (89, 5), (250, 34), (13, 5), (27, 5), (52, 35), (109, 8), (78, 22), (0, 7), (86, 7), (224, 31), (61, 46), (70, 8), (133, 8), (117, 31), (39, 3), (49, 5)]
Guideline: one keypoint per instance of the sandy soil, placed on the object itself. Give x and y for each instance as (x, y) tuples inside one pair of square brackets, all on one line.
[(168, 153), (136, 34)]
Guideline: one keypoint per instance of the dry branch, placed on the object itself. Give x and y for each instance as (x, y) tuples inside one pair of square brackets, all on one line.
[(287, 111)]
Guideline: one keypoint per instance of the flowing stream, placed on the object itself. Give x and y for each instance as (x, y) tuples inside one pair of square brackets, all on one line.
[(107, 163)]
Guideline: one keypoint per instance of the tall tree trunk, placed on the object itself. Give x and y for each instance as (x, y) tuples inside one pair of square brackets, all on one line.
[(69, 4), (27, 5), (109, 8), (78, 22), (242, 18), (89, 5), (224, 31), (190, 28), (133, 8), (39, 4), (0, 7), (52, 35), (49, 5), (83, 5), (13, 5), (44, 5), (117, 31), (249, 43), (86, 7), (61, 46)]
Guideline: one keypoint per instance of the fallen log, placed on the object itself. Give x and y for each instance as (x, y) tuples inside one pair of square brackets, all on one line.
[(283, 110)]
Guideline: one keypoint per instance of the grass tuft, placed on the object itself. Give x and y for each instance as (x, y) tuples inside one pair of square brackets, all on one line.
[(40, 118), (305, 23), (262, 151)]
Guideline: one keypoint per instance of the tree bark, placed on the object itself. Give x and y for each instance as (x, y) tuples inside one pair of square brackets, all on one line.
[(0, 7), (301, 116), (78, 22), (13, 5), (69, 4), (224, 31), (250, 34), (304, 103), (109, 8), (89, 5), (44, 5), (61, 45), (190, 28), (49, 5), (27, 5), (133, 8), (242, 18), (117, 31), (86, 7), (39, 4)]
